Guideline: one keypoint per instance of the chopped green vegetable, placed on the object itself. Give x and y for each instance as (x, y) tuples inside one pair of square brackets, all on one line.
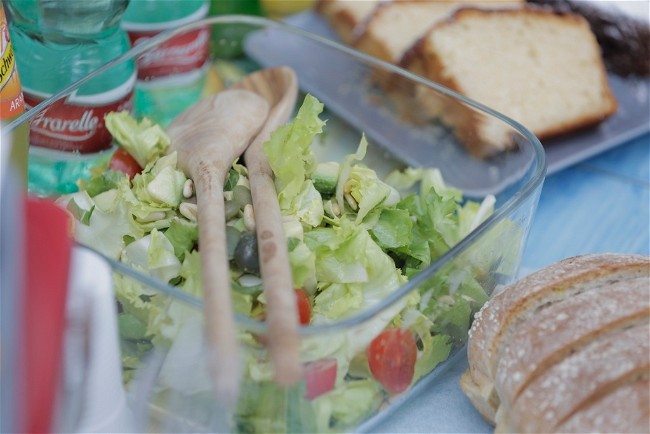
[(80, 214), (325, 178), (144, 140), (353, 239)]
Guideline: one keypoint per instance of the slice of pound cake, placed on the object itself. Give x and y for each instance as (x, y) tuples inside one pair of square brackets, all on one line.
[(344, 16), (394, 26), (541, 68)]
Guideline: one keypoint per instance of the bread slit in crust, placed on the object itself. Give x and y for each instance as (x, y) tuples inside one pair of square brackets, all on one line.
[(584, 377), (500, 316), (624, 410), (573, 323)]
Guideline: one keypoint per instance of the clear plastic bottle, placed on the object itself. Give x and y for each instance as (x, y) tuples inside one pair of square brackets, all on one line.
[(172, 76), (58, 42)]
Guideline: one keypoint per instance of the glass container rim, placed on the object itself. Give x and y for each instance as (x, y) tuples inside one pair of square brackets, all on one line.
[(257, 326)]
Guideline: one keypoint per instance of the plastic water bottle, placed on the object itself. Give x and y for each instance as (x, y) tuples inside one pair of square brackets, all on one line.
[(227, 38), (57, 42), (172, 76)]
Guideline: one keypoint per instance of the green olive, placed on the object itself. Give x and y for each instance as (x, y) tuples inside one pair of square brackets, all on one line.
[(232, 209), (246, 256), (232, 239), (241, 195)]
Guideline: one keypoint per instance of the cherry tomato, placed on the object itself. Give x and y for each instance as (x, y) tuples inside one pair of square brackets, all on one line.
[(319, 376), (391, 357), (304, 312), (123, 162), (304, 308)]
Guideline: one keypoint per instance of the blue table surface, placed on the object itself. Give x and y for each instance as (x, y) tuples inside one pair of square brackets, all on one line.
[(599, 205)]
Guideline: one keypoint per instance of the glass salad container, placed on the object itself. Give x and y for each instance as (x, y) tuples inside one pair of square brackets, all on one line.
[(396, 285)]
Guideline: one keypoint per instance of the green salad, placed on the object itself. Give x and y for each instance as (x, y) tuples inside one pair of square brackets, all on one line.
[(353, 239)]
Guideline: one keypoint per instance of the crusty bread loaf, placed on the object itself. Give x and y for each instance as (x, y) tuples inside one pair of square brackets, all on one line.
[(541, 68), (572, 322), (345, 15), (611, 413), (559, 341), (584, 376)]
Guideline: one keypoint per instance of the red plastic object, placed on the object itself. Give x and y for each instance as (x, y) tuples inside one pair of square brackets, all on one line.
[(48, 247)]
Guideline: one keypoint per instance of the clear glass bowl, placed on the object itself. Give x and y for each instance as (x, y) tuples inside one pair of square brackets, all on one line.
[(166, 376)]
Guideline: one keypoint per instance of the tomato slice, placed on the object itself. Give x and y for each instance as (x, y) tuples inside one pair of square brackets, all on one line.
[(304, 312), (304, 307), (319, 376), (391, 358), (124, 162)]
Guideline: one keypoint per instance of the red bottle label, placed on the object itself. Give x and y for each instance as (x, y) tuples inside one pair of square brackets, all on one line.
[(76, 124), (181, 54)]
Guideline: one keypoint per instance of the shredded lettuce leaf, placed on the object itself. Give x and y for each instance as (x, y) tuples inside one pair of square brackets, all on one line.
[(349, 248), (144, 140), (290, 155)]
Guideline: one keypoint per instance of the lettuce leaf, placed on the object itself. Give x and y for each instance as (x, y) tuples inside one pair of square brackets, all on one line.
[(109, 224), (353, 274), (393, 229), (289, 152), (144, 140), (303, 267), (347, 405), (160, 185), (153, 253), (184, 235)]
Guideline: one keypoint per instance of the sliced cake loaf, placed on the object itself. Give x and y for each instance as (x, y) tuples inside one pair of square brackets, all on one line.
[(394, 26), (345, 15), (541, 68)]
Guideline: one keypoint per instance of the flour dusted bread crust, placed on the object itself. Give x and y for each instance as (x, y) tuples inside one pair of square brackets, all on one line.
[(611, 413), (572, 322), (562, 344), (590, 372), (541, 68)]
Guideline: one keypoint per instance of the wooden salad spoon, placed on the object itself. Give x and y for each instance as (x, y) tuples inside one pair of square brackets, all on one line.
[(278, 86), (208, 137)]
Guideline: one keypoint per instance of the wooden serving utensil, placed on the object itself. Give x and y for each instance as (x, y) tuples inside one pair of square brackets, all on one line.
[(278, 86), (208, 137)]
